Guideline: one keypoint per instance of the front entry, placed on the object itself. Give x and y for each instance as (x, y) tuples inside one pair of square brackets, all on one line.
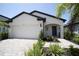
[(54, 31)]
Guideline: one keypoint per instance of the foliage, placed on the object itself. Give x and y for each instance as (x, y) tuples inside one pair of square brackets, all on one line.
[(74, 51), (68, 34), (71, 36), (56, 49), (53, 50), (54, 39), (72, 8), (37, 49), (50, 38), (2, 23), (3, 35), (35, 52), (73, 11), (76, 38)]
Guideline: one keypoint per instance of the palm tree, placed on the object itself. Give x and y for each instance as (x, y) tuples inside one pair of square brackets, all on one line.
[(72, 9)]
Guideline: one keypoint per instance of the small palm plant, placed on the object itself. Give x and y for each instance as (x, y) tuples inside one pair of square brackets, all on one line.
[(37, 49), (56, 49)]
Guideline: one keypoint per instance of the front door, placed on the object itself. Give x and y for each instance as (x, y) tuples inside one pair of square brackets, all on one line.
[(54, 30)]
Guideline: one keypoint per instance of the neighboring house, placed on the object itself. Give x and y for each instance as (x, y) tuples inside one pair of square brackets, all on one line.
[(4, 23), (29, 25), (73, 25)]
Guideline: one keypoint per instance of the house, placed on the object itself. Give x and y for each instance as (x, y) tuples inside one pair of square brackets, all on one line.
[(4, 23), (29, 25), (73, 25)]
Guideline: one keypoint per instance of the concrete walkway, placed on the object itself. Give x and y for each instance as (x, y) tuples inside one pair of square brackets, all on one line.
[(63, 43)]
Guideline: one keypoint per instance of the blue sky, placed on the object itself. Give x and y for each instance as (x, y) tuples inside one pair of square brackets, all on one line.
[(10, 10)]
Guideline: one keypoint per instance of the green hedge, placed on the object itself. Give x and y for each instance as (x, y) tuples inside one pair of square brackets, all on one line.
[(68, 34), (76, 38)]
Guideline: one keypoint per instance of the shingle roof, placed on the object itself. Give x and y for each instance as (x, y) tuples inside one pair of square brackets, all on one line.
[(48, 15), (39, 18)]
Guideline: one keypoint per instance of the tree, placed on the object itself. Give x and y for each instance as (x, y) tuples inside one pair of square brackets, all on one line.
[(72, 8)]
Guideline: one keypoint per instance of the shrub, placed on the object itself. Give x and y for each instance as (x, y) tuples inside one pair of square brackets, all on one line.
[(49, 38), (55, 39), (3, 35), (76, 38), (56, 49), (37, 49), (40, 43), (68, 34), (74, 51)]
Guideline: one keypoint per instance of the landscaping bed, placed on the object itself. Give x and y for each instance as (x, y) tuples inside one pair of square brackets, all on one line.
[(75, 39), (53, 50), (67, 52), (71, 36), (50, 39)]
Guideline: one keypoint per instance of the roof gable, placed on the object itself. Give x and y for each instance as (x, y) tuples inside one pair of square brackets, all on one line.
[(28, 14), (48, 15)]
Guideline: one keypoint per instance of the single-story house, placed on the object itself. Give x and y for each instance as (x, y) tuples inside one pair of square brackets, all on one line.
[(29, 25)]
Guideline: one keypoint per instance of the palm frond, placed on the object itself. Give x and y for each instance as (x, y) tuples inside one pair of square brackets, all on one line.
[(62, 8)]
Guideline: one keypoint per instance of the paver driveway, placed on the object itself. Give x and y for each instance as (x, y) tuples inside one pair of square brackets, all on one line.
[(15, 47)]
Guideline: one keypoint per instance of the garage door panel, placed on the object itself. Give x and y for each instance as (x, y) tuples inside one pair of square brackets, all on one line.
[(26, 32)]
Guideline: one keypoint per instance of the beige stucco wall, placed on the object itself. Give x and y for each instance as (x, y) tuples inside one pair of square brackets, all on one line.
[(51, 20)]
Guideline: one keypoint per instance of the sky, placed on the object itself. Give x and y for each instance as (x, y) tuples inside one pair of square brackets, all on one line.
[(12, 9)]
